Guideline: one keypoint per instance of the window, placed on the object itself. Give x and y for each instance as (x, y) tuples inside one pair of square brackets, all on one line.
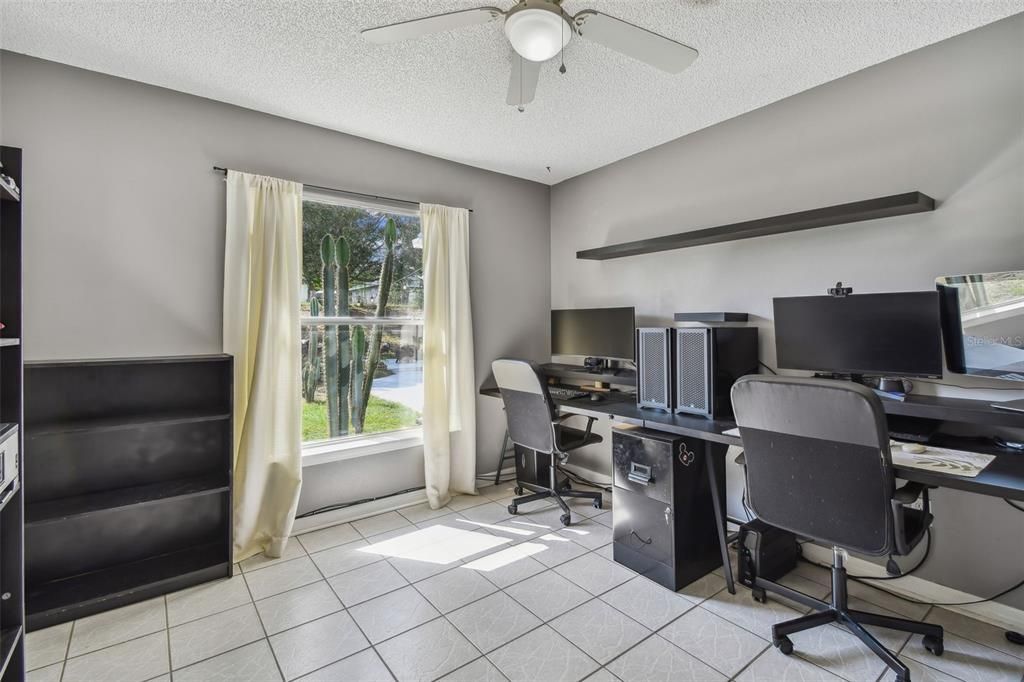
[(362, 319)]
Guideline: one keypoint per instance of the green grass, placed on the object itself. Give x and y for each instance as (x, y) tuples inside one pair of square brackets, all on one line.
[(381, 415)]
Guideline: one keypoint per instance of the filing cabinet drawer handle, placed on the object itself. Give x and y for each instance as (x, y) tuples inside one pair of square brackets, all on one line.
[(646, 542), (9, 493), (639, 474)]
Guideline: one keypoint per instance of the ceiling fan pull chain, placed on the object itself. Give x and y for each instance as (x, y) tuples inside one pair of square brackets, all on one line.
[(561, 52), (521, 106)]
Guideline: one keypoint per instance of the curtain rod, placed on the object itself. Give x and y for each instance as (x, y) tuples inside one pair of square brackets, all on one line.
[(224, 171)]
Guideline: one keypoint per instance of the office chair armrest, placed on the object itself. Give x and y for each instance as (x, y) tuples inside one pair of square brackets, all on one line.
[(910, 492), (910, 524), (590, 426), (564, 456)]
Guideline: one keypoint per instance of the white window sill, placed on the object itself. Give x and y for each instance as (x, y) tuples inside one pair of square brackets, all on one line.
[(360, 446)]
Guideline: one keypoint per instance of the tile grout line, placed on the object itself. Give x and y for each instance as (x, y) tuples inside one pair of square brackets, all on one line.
[(259, 618), (67, 650), (345, 608), (709, 663), (482, 657), (167, 634), (532, 630)]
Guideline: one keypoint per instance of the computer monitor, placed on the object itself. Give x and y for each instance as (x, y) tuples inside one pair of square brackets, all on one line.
[(593, 332), (983, 324), (893, 335)]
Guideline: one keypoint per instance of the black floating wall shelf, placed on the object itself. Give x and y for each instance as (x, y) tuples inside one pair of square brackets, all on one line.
[(871, 209)]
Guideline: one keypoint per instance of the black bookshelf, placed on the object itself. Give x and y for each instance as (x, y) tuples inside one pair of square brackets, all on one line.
[(128, 463), (12, 584)]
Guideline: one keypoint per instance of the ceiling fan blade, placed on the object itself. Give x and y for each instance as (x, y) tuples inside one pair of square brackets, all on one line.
[(415, 28), (633, 41), (522, 84)]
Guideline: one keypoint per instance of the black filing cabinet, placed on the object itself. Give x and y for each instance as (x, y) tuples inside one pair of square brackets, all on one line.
[(663, 517)]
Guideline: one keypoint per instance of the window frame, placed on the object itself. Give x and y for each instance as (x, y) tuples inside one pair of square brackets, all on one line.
[(360, 444)]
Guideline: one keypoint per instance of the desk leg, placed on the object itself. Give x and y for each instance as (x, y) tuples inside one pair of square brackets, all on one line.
[(711, 458), (501, 458)]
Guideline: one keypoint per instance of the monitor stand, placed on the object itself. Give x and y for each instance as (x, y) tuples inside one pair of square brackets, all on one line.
[(1011, 405)]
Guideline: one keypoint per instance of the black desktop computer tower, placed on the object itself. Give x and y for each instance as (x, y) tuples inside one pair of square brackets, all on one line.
[(692, 369), (765, 552)]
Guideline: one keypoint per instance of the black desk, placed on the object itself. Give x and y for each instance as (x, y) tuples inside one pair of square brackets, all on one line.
[(1004, 477)]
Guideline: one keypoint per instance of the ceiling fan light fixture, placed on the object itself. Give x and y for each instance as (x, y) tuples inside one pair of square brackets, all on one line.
[(538, 30)]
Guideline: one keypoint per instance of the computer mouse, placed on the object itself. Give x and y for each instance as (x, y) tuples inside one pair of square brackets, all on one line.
[(596, 397), (913, 448)]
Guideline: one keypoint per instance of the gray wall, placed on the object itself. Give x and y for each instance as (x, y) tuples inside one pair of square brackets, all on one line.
[(947, 120), (124, 229)]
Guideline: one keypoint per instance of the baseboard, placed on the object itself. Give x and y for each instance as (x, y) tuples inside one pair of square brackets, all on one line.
[(507, 474), (359, 511), (991, 612)]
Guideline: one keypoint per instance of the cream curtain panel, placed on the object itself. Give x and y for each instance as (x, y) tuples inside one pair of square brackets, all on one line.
[(449, 398), (262, 252)]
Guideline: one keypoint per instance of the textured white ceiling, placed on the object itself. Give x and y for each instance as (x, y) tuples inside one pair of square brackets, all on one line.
[(444, 95)]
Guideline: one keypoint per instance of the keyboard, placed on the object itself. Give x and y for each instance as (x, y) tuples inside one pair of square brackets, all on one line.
[(566, 393)]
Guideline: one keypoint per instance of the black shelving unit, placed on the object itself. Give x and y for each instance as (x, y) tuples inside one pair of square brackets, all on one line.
[(12, 584), (870, 209), (128, 464)]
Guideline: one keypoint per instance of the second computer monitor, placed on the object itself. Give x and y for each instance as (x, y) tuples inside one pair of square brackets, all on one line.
[(593, 332), (892, 334)]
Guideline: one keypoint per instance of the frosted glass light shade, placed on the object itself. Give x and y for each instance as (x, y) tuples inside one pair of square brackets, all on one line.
[(537, 34)]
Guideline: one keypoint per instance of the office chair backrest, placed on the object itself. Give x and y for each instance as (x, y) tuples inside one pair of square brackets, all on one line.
[(817, 459), (528, 407)]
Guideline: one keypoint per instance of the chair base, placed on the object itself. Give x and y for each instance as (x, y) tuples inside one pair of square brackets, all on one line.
[(558, 493), (837, 611)]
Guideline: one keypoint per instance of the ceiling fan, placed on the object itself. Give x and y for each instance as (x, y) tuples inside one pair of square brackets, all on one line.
[(538, 31)]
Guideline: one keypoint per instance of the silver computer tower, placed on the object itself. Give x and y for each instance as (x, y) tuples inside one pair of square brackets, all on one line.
[(654, 367), (692, 369)]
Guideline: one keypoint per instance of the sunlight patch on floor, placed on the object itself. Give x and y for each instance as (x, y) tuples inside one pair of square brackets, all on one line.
[(503, 529), (436, 545), (530, 525)]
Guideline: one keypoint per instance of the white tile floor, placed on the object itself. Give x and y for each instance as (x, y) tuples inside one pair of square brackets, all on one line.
[(470, 593)]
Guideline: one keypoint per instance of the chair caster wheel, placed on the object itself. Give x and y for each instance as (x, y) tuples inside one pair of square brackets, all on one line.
[(933, 644), (784, 644), (760, 596), (597, 503), (566, 519), (518, 490), (512, 509)]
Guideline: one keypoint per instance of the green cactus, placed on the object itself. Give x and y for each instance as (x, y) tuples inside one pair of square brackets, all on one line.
[(387, 271), (312, 366), (358, 350), (343, 378), (330, 275)]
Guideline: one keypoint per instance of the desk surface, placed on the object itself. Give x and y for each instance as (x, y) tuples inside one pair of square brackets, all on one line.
[(1004, 477)]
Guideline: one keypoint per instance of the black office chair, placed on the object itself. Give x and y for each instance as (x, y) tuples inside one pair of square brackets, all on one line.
[(818, 464), (534, 424)]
